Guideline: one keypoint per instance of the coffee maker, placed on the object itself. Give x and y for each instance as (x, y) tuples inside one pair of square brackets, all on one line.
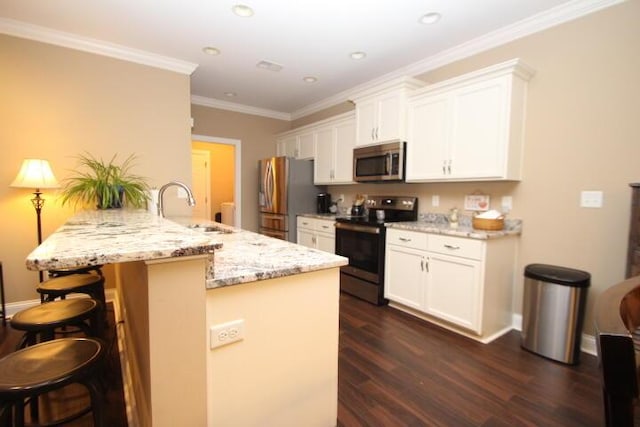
[(323, 203)]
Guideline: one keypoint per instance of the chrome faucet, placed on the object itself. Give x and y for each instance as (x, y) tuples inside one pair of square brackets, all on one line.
[(191, 201)]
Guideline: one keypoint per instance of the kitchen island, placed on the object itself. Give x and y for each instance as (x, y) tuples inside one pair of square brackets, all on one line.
[(177, 288)]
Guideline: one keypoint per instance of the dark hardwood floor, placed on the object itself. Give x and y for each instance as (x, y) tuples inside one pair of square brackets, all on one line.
[(73, 398), (396, 370)]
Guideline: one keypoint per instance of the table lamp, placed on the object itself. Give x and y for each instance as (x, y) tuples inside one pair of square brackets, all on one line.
[(37, 174)]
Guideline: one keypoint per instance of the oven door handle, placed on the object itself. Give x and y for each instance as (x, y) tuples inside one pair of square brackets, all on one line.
[(360, 228)]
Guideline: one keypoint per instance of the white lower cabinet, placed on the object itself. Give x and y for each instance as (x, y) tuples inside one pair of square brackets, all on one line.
[(316, 233), (462, 284)]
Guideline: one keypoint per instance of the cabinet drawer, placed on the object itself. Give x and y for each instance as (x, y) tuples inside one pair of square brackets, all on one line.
[(307, 223), (407, 239), (324, 226), (456, 246)]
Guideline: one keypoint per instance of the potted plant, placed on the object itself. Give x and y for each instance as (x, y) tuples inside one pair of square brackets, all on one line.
[(106, 184)]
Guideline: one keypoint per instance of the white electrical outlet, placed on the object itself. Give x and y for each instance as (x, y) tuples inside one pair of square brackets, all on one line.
[(182, 194), (226, 333), (435, 200), (591, 199)]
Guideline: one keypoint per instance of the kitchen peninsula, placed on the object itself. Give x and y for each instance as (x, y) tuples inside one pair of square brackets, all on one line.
[(176, 283)]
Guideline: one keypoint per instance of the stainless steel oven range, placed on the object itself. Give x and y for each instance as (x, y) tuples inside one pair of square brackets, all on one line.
[(362, 240)]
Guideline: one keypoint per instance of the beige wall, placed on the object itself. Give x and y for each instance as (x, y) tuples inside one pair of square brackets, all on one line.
[(581, 134), (57, 103), (257, 136), (222, 168)]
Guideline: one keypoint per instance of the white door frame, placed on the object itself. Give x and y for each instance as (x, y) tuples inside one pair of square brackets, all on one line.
[(207, 155), (237, 190)]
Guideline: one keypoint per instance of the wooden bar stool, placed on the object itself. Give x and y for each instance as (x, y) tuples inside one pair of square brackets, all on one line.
[(77, 283), (40, 323), (90, 269), (30, 373)]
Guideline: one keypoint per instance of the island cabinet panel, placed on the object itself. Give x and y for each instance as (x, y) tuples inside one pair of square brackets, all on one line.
[(470, 128), (285, 370), (460, 283)]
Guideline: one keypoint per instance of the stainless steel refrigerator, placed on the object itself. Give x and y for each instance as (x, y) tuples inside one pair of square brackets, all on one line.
[(286, 190)]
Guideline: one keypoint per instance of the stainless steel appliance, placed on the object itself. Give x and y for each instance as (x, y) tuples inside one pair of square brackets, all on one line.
[(362, 240), (286, 190), (380, 162)]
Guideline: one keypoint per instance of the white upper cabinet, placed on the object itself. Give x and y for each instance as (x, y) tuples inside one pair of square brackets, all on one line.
[(381, 112), (287, 146), (334, 152), (306, 145), (469, 128)]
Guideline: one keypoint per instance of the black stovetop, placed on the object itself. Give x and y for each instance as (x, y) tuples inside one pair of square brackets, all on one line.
[(396, 209)]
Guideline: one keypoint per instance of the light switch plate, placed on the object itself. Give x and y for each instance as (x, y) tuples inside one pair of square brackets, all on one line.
[(507, 204), (435, 200), (182, 194), (591, 199)]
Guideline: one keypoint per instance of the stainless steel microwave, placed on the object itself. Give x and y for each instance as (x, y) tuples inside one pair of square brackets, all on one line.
[(380, 162)]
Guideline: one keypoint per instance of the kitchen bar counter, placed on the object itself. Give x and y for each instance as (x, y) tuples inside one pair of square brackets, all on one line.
[(172, 285), (114, 236)]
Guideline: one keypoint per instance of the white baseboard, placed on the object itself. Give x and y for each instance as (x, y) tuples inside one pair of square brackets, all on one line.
[(587, 342)]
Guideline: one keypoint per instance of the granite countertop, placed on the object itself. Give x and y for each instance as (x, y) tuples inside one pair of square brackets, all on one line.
[(117, 235), (120, 235), (248, 257), (436, 223), (439, 224)]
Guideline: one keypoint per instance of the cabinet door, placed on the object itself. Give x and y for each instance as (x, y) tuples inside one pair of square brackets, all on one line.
[(390, 118), (306, 238), (454, 290), (366, 112), (323, 166), (427, 145), (306, 145), (326, 243), (479, 130), (343, 153), (287, 146), (404, 276)]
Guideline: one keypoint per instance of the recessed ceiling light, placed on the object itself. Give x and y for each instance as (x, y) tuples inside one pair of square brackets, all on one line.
[(357, 55), (268, 65), (209, 50), (230, 94), (310, 79), (242, 10), (430, 18)]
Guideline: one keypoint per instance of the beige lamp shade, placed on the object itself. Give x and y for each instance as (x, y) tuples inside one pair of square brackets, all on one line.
[(35, 173)]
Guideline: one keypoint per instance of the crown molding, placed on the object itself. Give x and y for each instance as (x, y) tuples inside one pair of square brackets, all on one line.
[(555, 16), (98, 47), (239, 108)]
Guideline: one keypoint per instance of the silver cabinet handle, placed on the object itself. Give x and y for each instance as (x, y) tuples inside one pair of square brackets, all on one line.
[(376, 133), (449, 167), (422, 264), (452, 247), (444, 167), (404, 239), (373, 130)]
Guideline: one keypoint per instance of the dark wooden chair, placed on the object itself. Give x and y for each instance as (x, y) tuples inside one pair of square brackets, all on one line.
[(617, 319)]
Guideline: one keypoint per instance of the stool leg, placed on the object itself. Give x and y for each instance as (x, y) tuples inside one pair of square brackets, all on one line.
[(96, 398)]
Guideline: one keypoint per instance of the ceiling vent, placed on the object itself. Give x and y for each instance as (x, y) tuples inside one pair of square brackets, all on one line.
[(268, 65)]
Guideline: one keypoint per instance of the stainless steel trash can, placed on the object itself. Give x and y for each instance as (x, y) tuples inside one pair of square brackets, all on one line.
[(553, 311)]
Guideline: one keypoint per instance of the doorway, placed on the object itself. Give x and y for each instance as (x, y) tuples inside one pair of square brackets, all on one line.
[(217, 176)]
